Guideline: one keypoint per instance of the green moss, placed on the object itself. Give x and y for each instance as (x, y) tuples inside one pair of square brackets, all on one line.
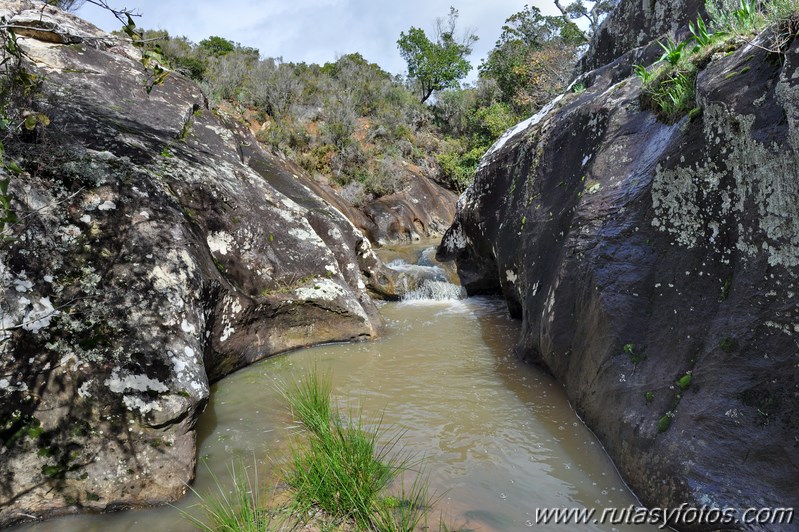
[(725, 288), (649, 396), (53, 471), (91, 496), (664, 423), (685, 381), (46, 452)]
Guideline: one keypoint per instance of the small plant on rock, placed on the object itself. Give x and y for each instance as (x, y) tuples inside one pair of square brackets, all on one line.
[(673, 52)]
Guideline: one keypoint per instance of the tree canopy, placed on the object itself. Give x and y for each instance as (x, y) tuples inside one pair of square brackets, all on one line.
[(440, 63), (533, 58)]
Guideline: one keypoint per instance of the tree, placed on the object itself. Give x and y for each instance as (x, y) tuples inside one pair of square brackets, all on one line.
[(217, 46), (439, 64), (533, 58), (593, 13)]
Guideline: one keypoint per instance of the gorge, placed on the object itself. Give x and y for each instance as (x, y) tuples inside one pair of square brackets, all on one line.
[(651, 259)]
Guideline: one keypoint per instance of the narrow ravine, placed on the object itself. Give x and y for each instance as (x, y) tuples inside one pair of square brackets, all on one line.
[(497, 437)]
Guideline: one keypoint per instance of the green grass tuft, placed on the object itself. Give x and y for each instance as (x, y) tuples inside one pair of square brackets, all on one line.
[(343, 469), (239, 509)]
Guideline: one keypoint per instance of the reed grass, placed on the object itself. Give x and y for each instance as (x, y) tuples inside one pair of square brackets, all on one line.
[(344, 467), (341, 469)]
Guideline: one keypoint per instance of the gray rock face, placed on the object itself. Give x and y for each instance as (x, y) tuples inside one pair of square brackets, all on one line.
[(656, 271), (636, 24), (158, 248)]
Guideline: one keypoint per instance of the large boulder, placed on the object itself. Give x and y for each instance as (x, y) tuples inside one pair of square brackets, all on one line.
[(655, 267), (157, 248)]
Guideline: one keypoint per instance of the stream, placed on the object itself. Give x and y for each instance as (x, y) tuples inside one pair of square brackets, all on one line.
[(497, 438)]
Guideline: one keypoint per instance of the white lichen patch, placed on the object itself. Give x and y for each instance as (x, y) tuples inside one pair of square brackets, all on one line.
[(5, 385), (136, 403), (764, 182), (592, 187), (307, 234), (219, 242), (322, 289), (107, 205), (85, 389), (456, 239), (510, 275), (21, 307), (39, 315), (142, 383)]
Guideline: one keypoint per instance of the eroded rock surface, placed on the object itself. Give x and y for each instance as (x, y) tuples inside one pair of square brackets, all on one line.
[(656, 271), (158, 248)]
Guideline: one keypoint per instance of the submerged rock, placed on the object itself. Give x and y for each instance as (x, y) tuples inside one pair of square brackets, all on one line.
[(158, 248), (656, 271)]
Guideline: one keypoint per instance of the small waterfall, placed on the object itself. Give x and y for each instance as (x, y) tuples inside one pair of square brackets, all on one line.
[(436, 291), (426, 280)]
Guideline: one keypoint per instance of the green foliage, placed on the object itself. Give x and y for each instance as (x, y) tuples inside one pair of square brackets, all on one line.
[(240, 509), (217, 46), (649, 397), (533, 59), (685, 381), (342, 468), (635, 355), (436, 64), (699, 30), (745, 17), (673, 52), (643, 73), (674, 95), (664, 422), (310, 401)]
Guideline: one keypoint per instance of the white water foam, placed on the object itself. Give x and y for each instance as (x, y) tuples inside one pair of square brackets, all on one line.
[(436, 291)]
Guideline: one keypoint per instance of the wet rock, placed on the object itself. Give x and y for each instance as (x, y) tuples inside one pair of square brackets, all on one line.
[(158, 248), (656, 271)]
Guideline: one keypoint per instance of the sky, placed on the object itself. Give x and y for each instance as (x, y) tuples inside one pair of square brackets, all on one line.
[(319, 31)]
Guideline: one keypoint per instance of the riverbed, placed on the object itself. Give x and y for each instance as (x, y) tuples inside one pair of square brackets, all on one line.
[(496, 439)]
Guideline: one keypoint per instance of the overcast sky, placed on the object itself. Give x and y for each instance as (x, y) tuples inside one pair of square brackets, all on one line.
[(318, 31)]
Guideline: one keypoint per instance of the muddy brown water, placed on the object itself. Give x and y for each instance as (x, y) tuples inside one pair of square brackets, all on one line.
[(497, 438)]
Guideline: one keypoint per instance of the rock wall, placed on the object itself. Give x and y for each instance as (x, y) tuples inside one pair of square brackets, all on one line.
[(635, 24), (157, 249), (656, 271)]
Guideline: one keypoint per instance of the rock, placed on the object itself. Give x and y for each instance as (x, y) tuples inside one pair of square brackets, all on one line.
[(422, 208), (656, 271), (158, 248), (636, 24)]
